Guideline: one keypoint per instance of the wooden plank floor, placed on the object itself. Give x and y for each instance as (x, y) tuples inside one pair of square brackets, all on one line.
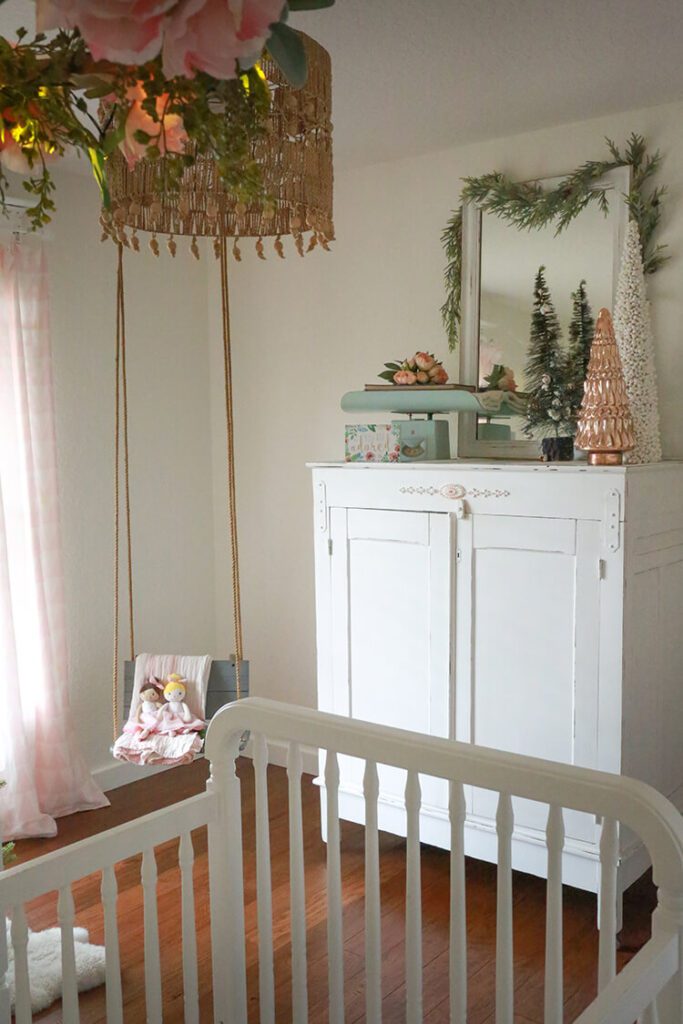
[(529, 910)]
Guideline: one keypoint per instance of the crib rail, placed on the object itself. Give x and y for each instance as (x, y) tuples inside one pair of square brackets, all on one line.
[(58, 871), (648, 989)]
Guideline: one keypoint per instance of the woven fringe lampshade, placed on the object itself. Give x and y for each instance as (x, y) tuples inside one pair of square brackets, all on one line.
[(295, 157)]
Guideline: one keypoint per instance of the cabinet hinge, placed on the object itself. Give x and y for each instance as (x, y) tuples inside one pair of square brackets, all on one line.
[(329, 545), (321, 506), (612, 525)]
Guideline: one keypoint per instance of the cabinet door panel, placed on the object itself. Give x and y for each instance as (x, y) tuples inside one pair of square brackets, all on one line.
[(534, 662), (391, 625)]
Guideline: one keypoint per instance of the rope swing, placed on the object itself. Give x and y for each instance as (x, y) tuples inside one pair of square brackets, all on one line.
[(293, 158), (121, 448)]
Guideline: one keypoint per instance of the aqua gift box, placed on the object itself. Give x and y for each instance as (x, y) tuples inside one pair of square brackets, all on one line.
[(371, 442)]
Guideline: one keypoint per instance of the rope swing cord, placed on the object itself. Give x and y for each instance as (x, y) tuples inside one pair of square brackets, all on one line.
[(121, 442)]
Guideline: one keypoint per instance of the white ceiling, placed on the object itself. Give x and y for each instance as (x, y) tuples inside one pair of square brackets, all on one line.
[(412, 76)]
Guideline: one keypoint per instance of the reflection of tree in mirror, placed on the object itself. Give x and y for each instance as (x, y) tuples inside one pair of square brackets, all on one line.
[(581, 330), (548, 374)]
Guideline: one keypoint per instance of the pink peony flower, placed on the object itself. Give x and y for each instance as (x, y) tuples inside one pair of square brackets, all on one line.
[(441, 377), (506, 381), (193, 35), (404, 377), (12, 156), (422, 377), (209, 35), (126, 31), (170, 130), (424, 361)]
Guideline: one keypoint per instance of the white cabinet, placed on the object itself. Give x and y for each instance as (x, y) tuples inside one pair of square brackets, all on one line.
[(523, 607)]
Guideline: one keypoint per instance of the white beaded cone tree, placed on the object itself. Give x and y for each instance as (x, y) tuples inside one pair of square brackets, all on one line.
[(633, 330)]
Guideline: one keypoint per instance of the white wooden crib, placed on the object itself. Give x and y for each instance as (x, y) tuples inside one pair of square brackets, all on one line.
[(649, 988)]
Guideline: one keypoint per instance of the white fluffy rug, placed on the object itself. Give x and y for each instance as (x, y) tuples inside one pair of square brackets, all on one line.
[(45, 965)]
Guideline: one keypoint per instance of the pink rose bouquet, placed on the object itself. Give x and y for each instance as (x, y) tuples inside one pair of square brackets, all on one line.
[(419, 369)]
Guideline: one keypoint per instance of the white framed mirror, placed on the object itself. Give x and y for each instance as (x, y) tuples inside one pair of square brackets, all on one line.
[(499, 264)]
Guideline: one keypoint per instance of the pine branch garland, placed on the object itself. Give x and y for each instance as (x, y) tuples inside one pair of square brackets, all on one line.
[(529, 206)]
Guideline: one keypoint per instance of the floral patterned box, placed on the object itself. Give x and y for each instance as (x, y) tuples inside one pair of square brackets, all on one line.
[(371, 442)]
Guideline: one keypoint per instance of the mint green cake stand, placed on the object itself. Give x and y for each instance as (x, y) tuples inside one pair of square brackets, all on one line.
[(495, 404)]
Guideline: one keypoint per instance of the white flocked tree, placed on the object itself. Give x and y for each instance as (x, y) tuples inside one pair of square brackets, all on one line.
[(633, 330)]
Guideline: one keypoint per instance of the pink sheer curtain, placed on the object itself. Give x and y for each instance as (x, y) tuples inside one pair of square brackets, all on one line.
[(40, 761)]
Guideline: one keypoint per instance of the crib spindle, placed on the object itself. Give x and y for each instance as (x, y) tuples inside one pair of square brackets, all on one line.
[(413, 902), (153, 999), (4, 963), (553, 923), (66, 914), (263, 885), (297, 886), (335, 938), (504, 962), (22, 988), (458, 913), (607, 951), (112, 968), (190, 981), (373, 928), (650, 1015)]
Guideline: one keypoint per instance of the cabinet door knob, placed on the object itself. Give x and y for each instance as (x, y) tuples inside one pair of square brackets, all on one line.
[(454, 491)]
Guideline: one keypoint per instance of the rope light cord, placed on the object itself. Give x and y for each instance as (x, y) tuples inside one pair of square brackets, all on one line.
[(121, 442)]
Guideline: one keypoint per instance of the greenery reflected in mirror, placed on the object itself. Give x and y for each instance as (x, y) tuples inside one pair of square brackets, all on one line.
[(510, 262)]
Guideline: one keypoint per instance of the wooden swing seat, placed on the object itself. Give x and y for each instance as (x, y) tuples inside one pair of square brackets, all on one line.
[(222, 688)]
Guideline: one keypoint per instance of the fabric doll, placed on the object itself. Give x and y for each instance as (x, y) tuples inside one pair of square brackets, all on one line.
[(175, 716), (148, 713)]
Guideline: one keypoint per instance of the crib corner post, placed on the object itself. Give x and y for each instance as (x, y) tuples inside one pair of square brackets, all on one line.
[(5, 1015), (668, 918), (226, 889)]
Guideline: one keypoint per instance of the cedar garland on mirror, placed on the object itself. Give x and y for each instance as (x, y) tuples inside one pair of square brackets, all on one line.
[(528, 205)]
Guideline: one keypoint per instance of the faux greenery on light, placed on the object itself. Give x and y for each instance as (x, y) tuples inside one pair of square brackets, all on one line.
[(528, 205), (215, 107)]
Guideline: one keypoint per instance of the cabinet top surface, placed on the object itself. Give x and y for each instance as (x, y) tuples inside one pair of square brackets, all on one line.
[(498, 466)]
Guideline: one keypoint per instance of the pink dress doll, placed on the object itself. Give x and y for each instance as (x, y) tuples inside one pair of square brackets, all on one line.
[(175, 716), (148, 715)]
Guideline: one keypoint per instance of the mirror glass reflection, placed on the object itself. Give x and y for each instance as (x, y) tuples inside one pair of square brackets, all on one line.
[(510, 259)]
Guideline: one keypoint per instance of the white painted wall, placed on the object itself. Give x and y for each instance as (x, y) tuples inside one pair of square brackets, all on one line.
[(307, 330), (304, 331), (170, 439)]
